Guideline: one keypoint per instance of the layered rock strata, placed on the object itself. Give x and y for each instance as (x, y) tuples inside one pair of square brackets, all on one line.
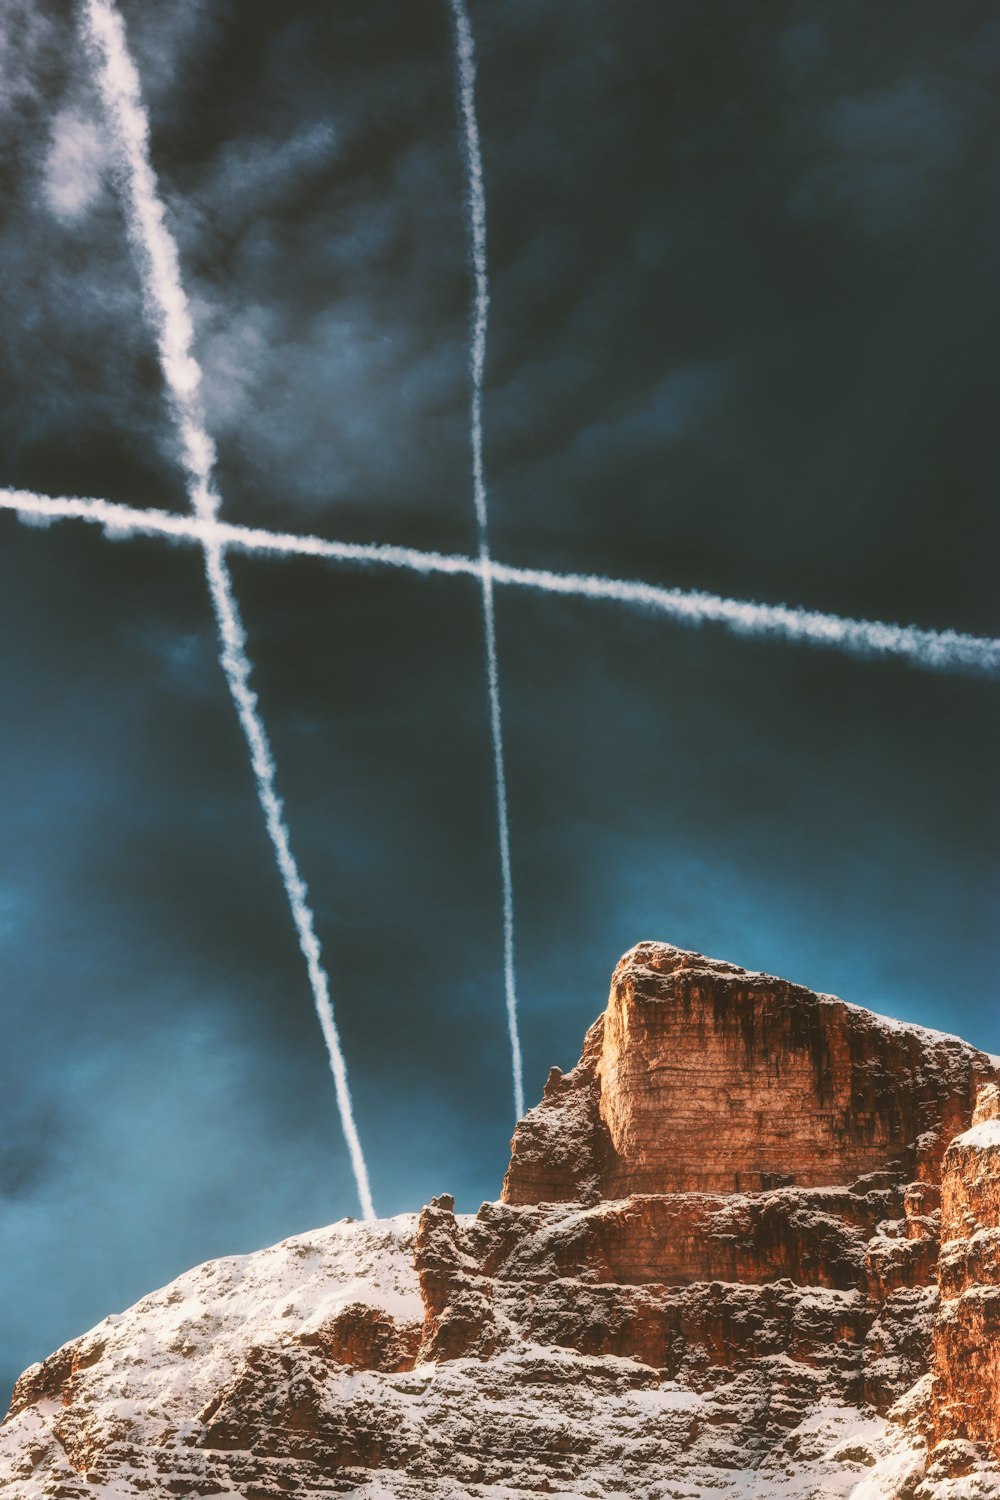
[(702, 1077), (966, 1386), (712, 1270), (737, 1171)]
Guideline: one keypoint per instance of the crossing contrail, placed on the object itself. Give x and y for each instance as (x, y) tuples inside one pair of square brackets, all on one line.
[(167, 310), (124, 521), (936, 650), (465, 63)]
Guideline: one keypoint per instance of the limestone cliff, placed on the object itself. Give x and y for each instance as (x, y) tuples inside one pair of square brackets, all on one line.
[(702, 1077)]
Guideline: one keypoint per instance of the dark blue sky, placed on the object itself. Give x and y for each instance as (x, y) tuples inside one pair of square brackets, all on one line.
[(743, 338)]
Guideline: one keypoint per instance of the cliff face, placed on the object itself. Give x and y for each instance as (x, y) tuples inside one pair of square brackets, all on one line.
[(966, 1385), (713, 1270), (739, 1169), (701, 1077)]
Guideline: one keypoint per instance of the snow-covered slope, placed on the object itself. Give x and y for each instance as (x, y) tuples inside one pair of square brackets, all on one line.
[(230, 1382)]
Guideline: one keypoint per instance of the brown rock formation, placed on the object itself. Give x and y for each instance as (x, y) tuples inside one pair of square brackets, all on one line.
[(727, 1141), (967, 1332), (702, 1077), (716, 1256)]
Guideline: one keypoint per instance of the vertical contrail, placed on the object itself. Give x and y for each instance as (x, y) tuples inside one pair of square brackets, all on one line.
[(167, 309), (465, 59)]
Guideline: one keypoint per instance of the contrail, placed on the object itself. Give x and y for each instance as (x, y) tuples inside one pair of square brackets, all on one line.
[(167, 309), (124, 521), (936, 650), (465, 62), (941, 650)]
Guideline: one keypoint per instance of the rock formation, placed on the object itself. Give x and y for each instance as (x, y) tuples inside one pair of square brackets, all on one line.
[(966, 1381), (701, 1077), (713, 1270)]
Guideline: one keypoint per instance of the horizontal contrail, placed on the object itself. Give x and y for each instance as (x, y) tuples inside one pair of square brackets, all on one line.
[(167, 310), (941, 650), (129, 520)]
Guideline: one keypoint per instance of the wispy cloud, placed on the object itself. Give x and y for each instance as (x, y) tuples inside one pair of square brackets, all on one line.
[(76, 165)]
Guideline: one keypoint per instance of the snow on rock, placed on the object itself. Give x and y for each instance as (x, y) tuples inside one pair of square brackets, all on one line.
[(986, 1133), (146, 1377), (966, 1382)]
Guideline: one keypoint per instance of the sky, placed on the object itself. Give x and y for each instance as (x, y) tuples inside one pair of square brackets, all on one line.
[(743, 337)]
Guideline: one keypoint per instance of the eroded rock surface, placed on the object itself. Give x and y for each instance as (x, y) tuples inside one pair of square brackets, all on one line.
[(713, 1272), (966, 1381), (702, 1077)]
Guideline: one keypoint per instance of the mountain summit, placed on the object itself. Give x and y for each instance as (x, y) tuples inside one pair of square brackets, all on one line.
[(749, 1246)]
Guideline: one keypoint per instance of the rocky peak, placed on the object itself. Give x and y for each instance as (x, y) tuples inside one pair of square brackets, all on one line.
[(713, 1270), (703, 1077)]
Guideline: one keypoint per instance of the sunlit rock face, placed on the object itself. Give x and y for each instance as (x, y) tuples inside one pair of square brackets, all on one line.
[(713, 1272), (730, 1130), (702, 1077), (967, 1331)]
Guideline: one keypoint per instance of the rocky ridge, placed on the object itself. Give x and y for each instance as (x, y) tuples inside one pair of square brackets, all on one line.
[(749, 1246)]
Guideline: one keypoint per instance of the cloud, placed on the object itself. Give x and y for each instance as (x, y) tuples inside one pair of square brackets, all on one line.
[(884, 158), (187, 659), (75, 166), (255, 177), (120, 1184), (171, 42), (29, 41), (310, 413)]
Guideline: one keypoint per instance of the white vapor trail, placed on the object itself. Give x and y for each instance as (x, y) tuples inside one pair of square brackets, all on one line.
[(167, 309), (465, 62), (123, 521), (940, 650)]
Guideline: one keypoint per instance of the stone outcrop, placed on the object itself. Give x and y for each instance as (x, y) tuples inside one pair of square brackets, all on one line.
[(966, 1383), (713, 1269), (731, 1128), (702, 1077)]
